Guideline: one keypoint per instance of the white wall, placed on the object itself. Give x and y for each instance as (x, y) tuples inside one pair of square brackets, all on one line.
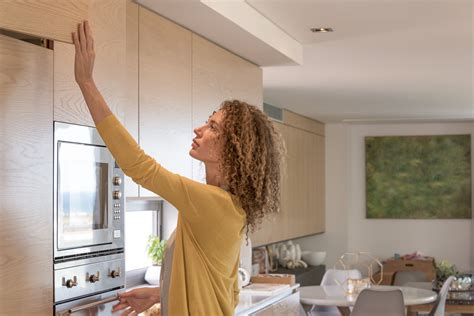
[(345, 200)]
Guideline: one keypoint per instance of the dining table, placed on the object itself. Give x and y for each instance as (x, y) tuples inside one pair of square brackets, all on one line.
[(335, 295)]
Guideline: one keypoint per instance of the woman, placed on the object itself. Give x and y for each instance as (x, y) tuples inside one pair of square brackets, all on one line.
[(241, 152)]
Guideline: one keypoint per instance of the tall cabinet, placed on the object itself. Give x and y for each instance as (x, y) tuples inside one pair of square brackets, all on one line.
[(302, 186), (26, 178)]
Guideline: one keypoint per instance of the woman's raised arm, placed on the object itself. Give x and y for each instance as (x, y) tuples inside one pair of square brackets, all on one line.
[(83, 71)]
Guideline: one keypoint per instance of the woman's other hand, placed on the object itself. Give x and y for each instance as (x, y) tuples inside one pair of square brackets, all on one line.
[(137, 300), (85, 55)]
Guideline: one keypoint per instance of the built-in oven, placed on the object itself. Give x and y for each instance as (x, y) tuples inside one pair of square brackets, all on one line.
[(88, 186), (89, 258)]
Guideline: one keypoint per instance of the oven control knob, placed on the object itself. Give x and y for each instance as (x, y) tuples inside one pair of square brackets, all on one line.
[(115, 274), (70, 283), (116, 195), (117, 180), (94, 278)]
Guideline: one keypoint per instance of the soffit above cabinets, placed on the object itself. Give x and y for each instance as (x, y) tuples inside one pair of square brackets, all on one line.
[(234, 25)]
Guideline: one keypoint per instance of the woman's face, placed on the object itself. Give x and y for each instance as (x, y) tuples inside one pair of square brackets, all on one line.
[(207, 145)]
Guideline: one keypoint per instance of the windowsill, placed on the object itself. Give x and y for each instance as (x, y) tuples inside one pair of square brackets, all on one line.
[(135, 278)]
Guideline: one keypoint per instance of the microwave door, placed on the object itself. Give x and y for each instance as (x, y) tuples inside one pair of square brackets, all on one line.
[(83, 195)]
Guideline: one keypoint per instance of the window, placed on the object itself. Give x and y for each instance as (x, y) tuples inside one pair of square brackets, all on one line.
[(143, 217)]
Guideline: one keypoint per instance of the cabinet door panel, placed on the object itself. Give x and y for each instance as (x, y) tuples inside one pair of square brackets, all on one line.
[(107, 18), (50, 19), (26, 178), (165, 92), (219, 75), (131, 91), (275, 228), (302, 201)]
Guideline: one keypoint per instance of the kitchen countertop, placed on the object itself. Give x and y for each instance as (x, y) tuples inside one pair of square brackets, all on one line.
[(250, 303)]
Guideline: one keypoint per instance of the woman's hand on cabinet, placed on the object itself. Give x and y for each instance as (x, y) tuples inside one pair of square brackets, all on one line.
[(85, 54)]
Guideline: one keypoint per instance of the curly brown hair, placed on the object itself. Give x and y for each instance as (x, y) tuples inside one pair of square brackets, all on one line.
[(251, 160)]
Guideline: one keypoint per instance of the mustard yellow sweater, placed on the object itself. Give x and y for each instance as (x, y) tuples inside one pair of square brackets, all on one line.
[(208, 235)]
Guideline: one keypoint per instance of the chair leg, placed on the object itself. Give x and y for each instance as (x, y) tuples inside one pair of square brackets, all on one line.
[(308, 309), (345, 311)]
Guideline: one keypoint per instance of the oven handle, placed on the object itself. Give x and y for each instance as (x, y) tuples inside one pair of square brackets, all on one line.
[(91, 305)]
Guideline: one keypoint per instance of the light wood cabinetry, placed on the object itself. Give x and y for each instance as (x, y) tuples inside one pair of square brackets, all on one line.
[(108, 23), (130, 104), (165, 92), (219, 75), (302, 202), (50, 19), (26, 185)]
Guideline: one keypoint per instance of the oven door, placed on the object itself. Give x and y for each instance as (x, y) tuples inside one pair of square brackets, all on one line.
[(84, 195), (97, 305)]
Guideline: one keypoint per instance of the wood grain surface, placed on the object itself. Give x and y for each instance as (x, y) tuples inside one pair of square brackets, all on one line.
[(26, 178), (52, 19), (219, 75), (303, 194), (165, 92), (108, 23)]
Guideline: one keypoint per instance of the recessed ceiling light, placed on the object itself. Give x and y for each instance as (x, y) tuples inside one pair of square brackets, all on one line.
[(321, 29)]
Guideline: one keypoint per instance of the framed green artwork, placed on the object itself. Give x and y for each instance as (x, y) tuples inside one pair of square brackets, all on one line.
[(422, 177)]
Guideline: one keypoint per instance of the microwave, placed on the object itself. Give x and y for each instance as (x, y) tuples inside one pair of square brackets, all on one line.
[(88, 194)]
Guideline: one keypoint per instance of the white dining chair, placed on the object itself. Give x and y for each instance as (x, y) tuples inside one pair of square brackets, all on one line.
[(440, 303), (333, 277), (376, 303)]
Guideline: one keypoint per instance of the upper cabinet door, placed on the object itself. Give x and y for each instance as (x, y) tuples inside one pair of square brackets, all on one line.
[(108, 23), (165, 92), (219, 75), (50, 19)]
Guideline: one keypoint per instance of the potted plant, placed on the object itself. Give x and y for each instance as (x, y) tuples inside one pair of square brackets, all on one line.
[(444, 270), (156, 252)]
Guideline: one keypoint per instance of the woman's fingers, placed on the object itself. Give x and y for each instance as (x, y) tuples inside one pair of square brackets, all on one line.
[(125, 295), (127, 312), (75, 40), (89, 38), (82, 38), (119, 307)]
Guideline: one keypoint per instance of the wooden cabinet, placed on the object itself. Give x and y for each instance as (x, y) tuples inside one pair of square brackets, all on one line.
[(108, 23), (50, 19), (302, 201), (218, 75), (165, 92), (26, 173), (130, 104)]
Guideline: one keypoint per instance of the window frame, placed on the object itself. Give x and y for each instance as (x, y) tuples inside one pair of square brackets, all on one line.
[(152, 204)]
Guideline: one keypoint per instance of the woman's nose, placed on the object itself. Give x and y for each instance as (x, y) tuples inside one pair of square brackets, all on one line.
[(197, 131)]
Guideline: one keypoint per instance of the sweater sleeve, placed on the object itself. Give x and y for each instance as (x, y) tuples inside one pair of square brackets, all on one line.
[(142, 168)]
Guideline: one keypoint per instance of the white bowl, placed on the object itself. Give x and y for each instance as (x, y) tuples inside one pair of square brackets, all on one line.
[(313, 258)]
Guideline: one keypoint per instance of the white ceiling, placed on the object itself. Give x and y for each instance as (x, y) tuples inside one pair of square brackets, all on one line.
[(386, 60)]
